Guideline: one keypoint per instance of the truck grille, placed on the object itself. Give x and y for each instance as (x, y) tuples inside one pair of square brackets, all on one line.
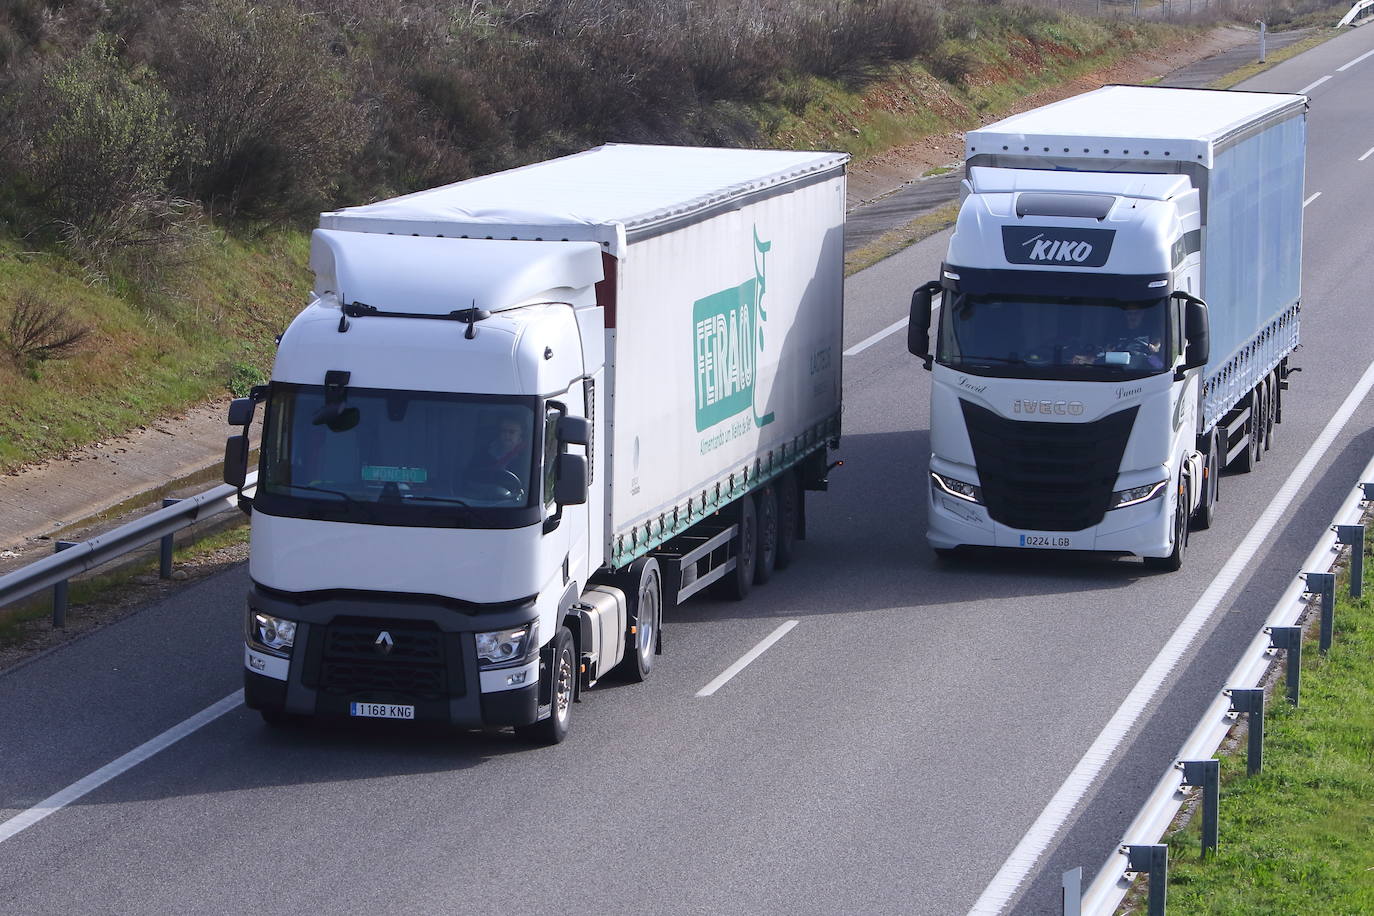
[(1047, 476), (419, 663)]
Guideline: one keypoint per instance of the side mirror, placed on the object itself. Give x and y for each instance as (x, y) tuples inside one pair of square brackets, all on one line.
[(570, 489), (574, 430), (1196, 332), (918, 330), (241, 411), (236, 461)]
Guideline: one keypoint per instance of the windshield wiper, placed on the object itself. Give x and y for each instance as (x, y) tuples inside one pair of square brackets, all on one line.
[(315, 489), (424, 497), (1004, 360)]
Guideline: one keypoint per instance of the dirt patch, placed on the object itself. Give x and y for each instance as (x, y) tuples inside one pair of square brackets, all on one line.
[(879, 175)]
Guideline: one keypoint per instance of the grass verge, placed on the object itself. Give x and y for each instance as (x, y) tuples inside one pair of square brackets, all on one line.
[(1299, 836), (894, 240)]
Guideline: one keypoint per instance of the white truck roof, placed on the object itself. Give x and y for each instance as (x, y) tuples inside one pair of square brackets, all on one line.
[(1135, 122), (612, 195)]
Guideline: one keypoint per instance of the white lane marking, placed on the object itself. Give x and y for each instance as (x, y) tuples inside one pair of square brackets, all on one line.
[(1310, 86), (1346, 66), (870, 341), (1369, 152), (748, 657), (54, 803), (1310, 199), (1033, 845)]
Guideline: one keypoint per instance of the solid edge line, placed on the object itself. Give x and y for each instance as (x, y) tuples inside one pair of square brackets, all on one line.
[(870, 341), (56, 802), (1312, 198), (1369, 152), (1037, 839), (1346, 66), (1310, 86), (745, 659)]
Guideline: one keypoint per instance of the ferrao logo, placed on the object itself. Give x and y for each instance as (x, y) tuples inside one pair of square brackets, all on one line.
[(727, 338)]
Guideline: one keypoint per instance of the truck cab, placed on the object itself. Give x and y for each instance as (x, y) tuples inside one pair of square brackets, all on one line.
[(1065, 390), (422, 520)]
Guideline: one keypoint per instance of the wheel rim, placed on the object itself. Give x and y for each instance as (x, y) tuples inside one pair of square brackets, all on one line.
[(562, 687), (647, 627), (746, 543)]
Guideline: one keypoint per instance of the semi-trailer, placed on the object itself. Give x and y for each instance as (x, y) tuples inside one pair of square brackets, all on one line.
[(1119, 305), (524, 416)]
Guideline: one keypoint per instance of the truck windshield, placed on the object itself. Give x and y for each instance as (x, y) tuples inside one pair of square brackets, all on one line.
[(390, 457), (1033, 337)]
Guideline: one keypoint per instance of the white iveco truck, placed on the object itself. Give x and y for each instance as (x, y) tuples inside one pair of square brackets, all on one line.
[(527, 414), (1119, 304)]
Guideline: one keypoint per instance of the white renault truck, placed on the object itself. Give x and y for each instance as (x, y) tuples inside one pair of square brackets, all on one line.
[(524, 416), (1119, 304)]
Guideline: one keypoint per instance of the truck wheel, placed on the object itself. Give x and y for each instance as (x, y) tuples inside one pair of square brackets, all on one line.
[(789, 518), (1174, 561), (736, 585), (563, 672), (1206, 510), (643, 585), (1270, 410), (276, 717), (766, 556)]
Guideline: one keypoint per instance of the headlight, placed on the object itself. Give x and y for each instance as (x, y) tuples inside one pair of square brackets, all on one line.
[(275, 633), (502, 646), (957, 488), (1137, 495)]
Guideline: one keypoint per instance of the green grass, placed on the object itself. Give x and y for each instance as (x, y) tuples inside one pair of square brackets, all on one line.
[(1298, 838), (208, 328)]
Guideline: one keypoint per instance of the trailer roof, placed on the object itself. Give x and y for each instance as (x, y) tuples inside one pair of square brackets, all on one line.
[(611, 194), (1135, 121)]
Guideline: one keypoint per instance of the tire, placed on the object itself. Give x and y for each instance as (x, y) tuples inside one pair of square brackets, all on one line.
[(1270, 410), (740, 580), (789, 518), (946, 554), (642, 584), (1174, 561), (1245, 462), (276, 717), (1211, 485), (766, 510), (562, 669)]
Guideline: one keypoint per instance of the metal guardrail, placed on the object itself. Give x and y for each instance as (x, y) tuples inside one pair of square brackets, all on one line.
[(1139, 846), (82, 556), (1362, 10)]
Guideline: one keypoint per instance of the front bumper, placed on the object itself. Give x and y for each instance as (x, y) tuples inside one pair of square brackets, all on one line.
[(1143, 530), (430, 662)]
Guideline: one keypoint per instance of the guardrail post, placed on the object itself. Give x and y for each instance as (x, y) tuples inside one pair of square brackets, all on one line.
[(1289, 641), (164, 551), (1206, 775), (1353, 537), (59, 591), (1250, 702), (1324, 584), (1072, 897), (1153, 860)]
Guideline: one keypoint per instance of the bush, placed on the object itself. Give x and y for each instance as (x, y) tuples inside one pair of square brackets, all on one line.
[(36, 331), (263, 90)]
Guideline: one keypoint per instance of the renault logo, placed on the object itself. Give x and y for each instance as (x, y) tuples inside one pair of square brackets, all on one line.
[(384, 643)]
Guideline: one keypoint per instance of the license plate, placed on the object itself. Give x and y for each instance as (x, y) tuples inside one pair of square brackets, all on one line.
[(381, 711), (1046, 540)]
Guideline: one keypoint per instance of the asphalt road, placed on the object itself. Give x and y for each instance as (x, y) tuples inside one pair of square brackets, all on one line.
[(885, 755)]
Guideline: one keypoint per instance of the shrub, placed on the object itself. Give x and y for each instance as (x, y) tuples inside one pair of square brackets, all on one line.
[(36, 331)]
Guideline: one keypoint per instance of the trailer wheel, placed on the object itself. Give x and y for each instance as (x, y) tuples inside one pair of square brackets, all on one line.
[(1245, 462), (643, 585), (1174, 561), (737, 583), (789, 518), (563, 671), (766, 556), (1271, 402), (1211, 484)]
